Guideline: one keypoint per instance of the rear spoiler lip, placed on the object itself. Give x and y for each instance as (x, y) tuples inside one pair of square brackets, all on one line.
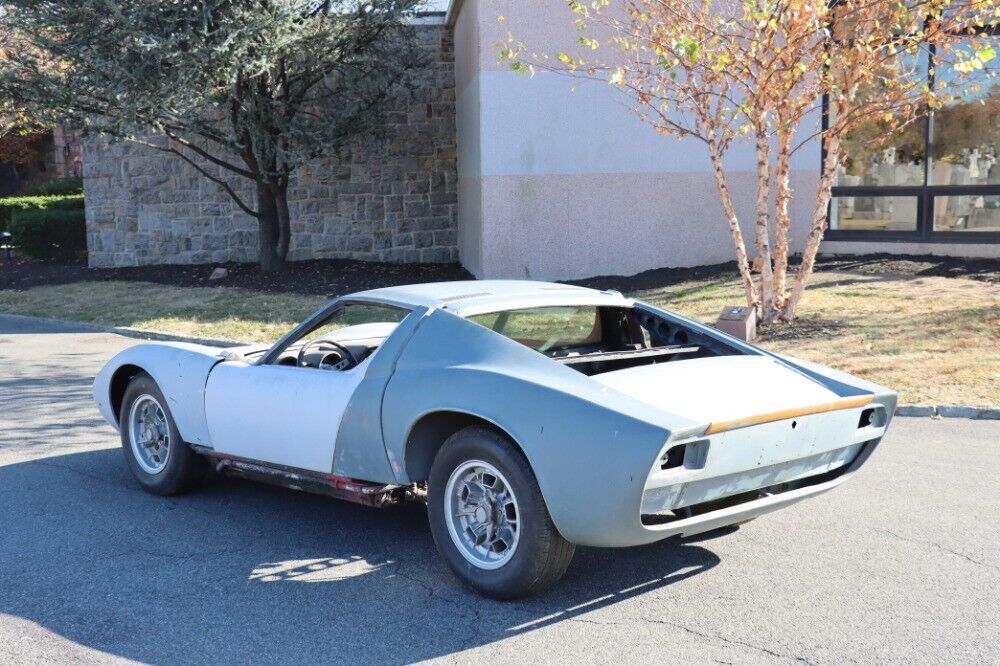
[(851, 402)]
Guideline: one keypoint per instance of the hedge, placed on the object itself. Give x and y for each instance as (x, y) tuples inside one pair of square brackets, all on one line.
[(10, 205), (50, 233), (55, 187)]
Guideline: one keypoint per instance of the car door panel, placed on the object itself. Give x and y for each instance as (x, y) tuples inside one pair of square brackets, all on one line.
[(279, 414), (361, 450)]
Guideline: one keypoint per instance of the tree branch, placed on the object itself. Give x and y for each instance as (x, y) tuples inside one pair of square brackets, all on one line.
[(223, 184), (246, 173)]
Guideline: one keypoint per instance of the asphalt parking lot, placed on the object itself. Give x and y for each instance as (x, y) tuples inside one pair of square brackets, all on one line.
[(902, 564)]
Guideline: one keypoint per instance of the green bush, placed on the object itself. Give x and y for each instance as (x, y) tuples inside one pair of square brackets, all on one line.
[(50, 233), (9, 205), (55, 187)]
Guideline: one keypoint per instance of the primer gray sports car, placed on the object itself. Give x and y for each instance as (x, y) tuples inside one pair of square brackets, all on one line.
[(530, 416)]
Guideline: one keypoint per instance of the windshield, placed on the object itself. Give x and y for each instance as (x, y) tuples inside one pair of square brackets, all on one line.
[(362, 321), (358, 314)]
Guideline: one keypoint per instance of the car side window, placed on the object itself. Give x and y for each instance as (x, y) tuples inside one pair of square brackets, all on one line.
[(547, 328)]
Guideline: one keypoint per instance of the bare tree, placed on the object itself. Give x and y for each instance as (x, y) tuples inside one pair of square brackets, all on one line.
[(723, 71)]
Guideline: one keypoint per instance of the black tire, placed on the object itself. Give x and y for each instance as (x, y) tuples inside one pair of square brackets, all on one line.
[(184, 469), (542, 554)]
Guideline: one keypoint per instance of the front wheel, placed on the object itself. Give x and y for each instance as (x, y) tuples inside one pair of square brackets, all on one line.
[(489, 519), (157, 457)]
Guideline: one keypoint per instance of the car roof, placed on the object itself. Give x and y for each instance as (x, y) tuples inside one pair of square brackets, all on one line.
[(468, 297)]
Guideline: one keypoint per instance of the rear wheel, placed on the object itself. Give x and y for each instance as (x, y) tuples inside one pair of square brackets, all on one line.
[(489, 519), (157, 457)]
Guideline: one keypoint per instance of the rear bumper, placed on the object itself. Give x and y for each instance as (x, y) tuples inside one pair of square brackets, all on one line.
[(727, 510), (757, 503), (731, 477)]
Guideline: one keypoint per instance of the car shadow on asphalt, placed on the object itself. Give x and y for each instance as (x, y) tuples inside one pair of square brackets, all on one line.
[(245, 573)]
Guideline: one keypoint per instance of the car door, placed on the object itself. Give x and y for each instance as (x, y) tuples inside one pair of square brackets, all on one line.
[(279, 414)]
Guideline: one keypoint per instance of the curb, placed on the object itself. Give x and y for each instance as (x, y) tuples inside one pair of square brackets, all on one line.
[(927, 411), (125, 331), (949, 411)]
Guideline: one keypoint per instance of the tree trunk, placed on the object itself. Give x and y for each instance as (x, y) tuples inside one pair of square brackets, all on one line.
[(782, 198), (763, 236), (268, 230), (734, 225), (816, 228), (280, 191)]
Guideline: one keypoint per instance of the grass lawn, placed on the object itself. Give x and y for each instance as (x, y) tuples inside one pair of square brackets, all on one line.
[(214, 312), (934, 339)]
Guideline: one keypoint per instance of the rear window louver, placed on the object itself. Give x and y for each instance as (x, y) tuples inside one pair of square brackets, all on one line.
[(462, 297)]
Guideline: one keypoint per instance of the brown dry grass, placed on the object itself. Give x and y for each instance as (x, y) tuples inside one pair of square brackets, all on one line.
[(223, 312), (936, 340)]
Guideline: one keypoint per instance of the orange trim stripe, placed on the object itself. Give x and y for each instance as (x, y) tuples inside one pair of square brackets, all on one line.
[(781, 414)]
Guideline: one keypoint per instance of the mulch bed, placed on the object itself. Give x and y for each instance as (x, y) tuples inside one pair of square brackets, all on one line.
[(322, 277), (985, 270), (337, 276), (803, 328)]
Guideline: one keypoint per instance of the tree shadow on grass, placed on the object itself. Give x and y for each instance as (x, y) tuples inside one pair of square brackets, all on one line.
[(240, 572)]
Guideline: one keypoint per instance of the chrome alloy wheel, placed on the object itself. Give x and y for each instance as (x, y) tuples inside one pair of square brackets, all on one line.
[(149, 434), (482, 514)]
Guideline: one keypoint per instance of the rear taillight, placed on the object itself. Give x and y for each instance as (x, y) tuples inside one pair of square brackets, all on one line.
[(690, 456)]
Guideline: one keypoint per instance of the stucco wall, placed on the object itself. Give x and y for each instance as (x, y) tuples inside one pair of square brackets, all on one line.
[(468, 50), (560, 179), (394, 198)]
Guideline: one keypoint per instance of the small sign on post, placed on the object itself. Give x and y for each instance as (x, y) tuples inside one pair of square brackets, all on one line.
[(739, 322)]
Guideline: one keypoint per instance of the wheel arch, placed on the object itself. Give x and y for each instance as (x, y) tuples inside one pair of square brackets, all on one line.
[(179, 370), (119, 383), (429, 433)]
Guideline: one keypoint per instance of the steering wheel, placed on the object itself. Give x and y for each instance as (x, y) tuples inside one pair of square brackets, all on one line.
[(347, 359)]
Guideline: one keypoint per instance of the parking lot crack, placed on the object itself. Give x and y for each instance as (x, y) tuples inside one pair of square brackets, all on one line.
[(938, 546), (723, 639), (433, 592), (595, 622), (427, 587), (475, 622), (431, 589)]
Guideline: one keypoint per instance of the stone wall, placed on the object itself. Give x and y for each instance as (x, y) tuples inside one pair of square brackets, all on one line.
[(393, 198)]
